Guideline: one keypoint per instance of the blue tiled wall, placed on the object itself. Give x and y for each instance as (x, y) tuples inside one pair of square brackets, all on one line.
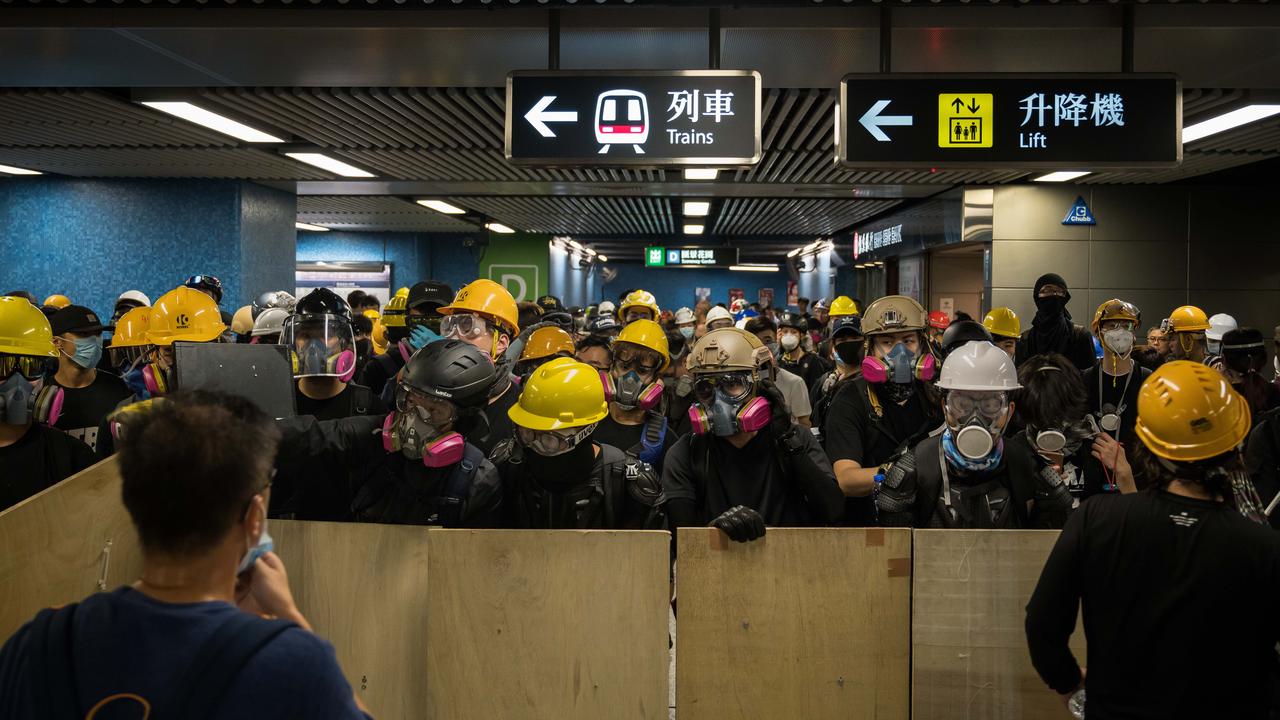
[(413, 256), (93, 239), (674, 287)]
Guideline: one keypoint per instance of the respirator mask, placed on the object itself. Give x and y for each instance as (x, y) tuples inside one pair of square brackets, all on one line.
[(976, 420), (1119, 340), (23, 401), (1065, 438), (725, 405), (899, 366), (630, 390), (417, 429)]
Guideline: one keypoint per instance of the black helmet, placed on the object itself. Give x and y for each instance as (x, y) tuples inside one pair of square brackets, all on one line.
[(846, 325), (452, 370), (206, 283), (792, 320), (323, 301), (961, 332)]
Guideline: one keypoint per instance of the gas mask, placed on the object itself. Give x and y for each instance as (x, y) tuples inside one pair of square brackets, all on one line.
[(418, 431), (975, 422), (789, 342), (1119, 341), (899, 366), (684, 386), (725, 405), (1066, 438), (631, 391), (23, 401)]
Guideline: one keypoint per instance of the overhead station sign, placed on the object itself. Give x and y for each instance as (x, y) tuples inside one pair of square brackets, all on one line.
[(658, 256), (679, 117), (1034, 121)]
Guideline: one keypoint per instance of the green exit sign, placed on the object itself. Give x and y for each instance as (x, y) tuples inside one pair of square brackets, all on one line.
[(655, 256)]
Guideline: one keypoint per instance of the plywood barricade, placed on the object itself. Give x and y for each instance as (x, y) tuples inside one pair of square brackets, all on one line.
[(969, 647), (805, 623), (64, 544)]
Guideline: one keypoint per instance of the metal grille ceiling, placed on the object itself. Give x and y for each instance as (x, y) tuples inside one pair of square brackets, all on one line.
[(578, 215), (771, 216), (237, 163), (497, 4), (375, 213)]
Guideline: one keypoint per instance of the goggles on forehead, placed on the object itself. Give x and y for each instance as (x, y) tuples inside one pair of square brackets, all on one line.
[(734, 386), (29, 367), (628, 358), (463, 326), (553, 442)]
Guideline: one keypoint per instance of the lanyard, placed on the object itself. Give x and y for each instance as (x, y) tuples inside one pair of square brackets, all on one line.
[(1120, 406)]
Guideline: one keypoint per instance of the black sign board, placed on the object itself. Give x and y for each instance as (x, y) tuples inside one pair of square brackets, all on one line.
[(678, 117), (1034, 121), (688, 256), (260, 373)]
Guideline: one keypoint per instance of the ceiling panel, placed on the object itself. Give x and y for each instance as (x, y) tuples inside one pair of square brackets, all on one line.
[(578, 215), (770, 216), (91, 118), (240, 163), (375, 213)]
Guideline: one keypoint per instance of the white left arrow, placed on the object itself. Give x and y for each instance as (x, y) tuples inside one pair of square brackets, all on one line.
[(539, 116), (872, 120)]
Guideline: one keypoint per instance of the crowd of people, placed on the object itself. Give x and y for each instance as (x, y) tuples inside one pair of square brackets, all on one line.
[(470, 409)]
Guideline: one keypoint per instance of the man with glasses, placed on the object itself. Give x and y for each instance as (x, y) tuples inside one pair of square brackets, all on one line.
[(417, 465), (485, 315), (33, 455), (1157, 349), (636, 422), (556, 475), (746, 464), (195, 478)]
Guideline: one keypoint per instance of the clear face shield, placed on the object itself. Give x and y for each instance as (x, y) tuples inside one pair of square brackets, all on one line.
[(977, 419), (322, 345)]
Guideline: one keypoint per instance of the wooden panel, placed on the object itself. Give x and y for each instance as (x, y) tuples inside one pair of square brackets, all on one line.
[(969, 648), (805, 623), (547, 624), (364, 588), (55, 546)]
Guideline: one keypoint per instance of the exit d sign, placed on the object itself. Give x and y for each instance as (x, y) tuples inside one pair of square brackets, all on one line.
[(655, 256)]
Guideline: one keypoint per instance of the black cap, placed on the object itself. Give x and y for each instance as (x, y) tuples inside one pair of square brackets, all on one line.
[(846, 325), (431, 292), (77, 319), (549, 304)]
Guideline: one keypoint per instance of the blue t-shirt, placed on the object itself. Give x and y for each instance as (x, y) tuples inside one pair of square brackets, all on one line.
[(126, 642)]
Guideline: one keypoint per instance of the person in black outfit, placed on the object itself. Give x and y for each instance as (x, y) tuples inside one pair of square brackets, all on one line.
[(792, 356), (1113, 383), (556, 475), (887, 409), (416, 465), (1171, 578), (421, 327), (636, 422), (846, 345), (1244, 355), (322, 341), (746, 464), (1052, 329), (33, 456), (89, 394)]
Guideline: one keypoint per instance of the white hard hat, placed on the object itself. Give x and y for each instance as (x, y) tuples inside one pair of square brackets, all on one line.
[(606, 308), (718, 313), (269, 322), (978, 365), (1220, 325), (684, 315), (136, 296)]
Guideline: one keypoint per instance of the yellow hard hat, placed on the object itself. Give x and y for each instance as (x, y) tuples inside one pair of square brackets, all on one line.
[(545, 342), (1115, 309), (394, 312), (131, 328), (58, 301), (891, 314), (563, 393), (184, 314), (639, 298), (488, 298), (843, 305), (402, 293), (1002, 322), (242, 321), (1188, 411), (24, 330), (1188, 318), (648, 334)]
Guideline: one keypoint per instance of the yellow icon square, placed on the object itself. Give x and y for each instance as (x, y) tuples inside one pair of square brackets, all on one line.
[(965, 120)]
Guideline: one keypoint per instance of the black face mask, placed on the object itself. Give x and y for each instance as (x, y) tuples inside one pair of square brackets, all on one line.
[(850, 353), (897, 392), (396, 334), (1051, 305), (571, 468), (364, 348)]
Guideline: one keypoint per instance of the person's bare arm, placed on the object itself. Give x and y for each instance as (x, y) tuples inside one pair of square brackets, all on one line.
[(855, 480)]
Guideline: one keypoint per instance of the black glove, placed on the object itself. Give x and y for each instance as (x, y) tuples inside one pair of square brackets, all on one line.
[(741, 524), (780, 416)]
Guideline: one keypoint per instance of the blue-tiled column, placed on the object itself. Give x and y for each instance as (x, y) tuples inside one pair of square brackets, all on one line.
[(93, 239)]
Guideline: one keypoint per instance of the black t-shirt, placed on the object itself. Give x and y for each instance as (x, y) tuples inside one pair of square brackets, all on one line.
[(627, 438), (716, 476), (1117, 397), (380, 369), (83, 409), (353, 400), (1167, 583), (809, 367), (40, 459), (500, 425)]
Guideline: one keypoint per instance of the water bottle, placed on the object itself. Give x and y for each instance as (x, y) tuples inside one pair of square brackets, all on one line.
[(1076, 704)]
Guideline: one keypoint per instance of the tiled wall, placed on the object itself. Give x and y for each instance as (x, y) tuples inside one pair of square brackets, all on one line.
[(413, 256), (674, 287)]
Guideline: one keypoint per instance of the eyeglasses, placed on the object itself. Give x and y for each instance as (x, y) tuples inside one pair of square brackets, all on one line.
[(734, 386), (433, 410), (627, 358), (553, 442), (27, 366), (964, 403), (463, 326)]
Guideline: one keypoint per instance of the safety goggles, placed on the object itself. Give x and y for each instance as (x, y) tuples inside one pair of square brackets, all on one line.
[(962, 404), (553, 442), (633, 315), (463, 326), (628, 358), (433, 410), (29, 367), (432, 322), (733, 386)]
